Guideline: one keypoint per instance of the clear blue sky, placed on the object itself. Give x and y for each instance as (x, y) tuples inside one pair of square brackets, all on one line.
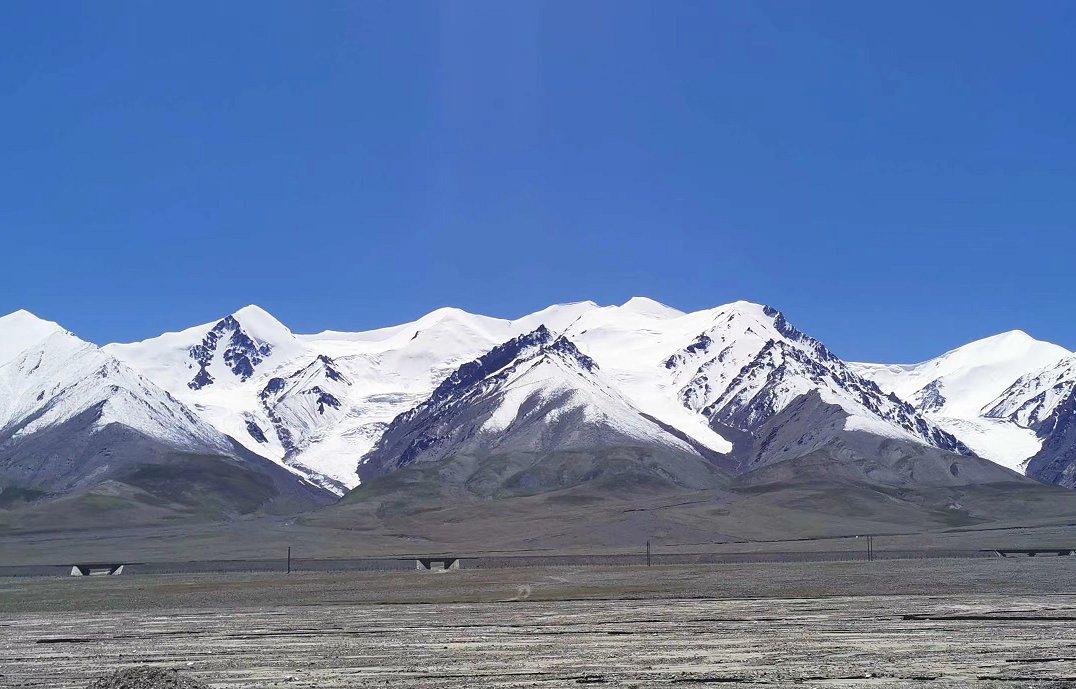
[(898, 177)]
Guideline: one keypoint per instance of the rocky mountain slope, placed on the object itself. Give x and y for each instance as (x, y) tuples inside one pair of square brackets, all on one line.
[(1044, 402), (74, 419), (1008, 397), (508, 421), (737, 366), (960, 389)]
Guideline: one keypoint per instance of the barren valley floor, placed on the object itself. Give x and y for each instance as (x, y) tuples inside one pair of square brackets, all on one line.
[(929, 623)]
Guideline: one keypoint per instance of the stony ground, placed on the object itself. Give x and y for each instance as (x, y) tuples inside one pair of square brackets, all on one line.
[(934, 624), (146, 678)]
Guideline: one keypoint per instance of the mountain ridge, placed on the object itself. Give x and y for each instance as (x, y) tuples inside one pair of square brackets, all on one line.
[(75, 421), (318, 404)]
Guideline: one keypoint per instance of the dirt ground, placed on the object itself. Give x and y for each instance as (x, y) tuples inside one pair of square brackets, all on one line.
[(941, 623)]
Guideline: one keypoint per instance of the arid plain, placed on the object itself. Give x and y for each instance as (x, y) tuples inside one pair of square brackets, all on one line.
[(889, 623)]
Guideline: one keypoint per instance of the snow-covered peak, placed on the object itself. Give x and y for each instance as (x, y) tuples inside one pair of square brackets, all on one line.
[(484, 329), (962, 382), (649, 307), (259, 323), (220, 354), (704, 349), (60, 377), (557, 317), (20, 330), (736, 365), (21, 318), (745, 307), (535, 393), (988, 393), (450, 315)]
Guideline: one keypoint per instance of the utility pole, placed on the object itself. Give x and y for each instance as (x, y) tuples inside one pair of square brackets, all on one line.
[(648, 553), (870, 548), (289, 559)]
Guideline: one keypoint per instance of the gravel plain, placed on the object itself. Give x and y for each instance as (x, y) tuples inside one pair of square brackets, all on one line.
[(937, 623)]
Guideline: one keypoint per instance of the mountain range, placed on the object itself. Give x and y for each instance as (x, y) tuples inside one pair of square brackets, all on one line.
[(242, 415)]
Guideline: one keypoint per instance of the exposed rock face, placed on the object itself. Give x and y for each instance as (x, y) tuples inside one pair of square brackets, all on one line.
[(808, 440), (1056, 461), (241, 353)]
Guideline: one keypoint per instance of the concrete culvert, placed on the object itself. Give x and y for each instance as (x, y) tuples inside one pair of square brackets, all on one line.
[(147, 678)]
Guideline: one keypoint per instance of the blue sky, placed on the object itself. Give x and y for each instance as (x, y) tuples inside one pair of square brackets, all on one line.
[(897, 177)]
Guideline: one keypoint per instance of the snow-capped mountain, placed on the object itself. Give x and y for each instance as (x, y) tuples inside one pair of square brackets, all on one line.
[(252, 379), (1044, 403), (735, 366), (695, 376), (962, 382), (516, 410), (212, 368), (73, 418), (1032, 400), (50, 376), (974, 392), (318, 403), (686, 398)]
